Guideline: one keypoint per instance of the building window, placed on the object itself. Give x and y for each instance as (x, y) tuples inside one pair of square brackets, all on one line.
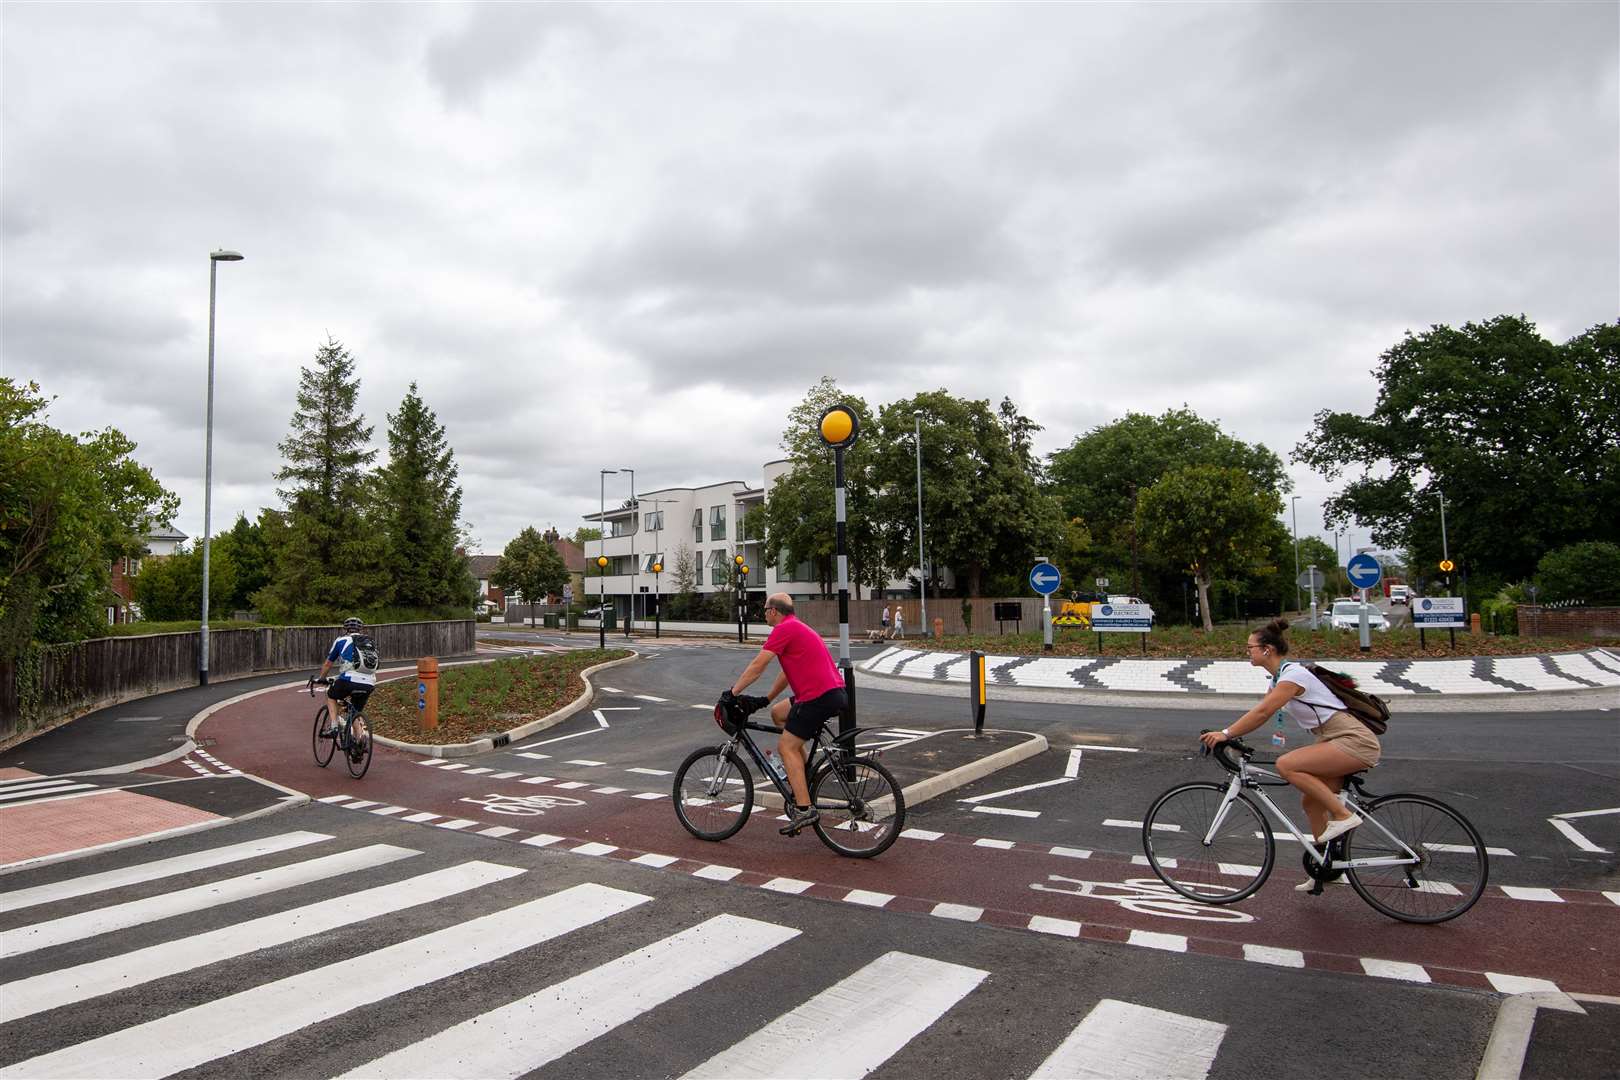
[(623, 526), (719, 569), (651, 559), (655, 521), (717, 523), (697, 525)]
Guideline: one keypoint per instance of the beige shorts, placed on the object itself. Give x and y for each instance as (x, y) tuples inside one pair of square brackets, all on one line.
[(1352, 736)]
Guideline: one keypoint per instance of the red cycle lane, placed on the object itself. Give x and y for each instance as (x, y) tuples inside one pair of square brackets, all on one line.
[(1498, 944)]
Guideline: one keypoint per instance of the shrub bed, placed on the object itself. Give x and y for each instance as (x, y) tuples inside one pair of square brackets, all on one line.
[(477, 701)]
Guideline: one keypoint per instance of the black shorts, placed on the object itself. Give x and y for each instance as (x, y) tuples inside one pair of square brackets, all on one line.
[(805, 718), (358, 693)]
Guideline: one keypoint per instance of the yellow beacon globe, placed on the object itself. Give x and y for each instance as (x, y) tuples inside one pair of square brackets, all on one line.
[(836, 426)]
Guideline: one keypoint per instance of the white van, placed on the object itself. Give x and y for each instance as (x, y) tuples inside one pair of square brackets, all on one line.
[(1400, 594)]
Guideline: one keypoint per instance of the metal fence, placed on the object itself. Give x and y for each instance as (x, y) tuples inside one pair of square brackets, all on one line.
[(55, 681)]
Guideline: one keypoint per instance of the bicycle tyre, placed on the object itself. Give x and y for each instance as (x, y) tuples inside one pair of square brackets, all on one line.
[(865, 822), (1447, 883), (699, 788), (324, 744), (359, 756), (1222, 872)]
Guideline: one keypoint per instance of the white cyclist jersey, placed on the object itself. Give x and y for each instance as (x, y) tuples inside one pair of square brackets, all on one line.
[(345, 656)]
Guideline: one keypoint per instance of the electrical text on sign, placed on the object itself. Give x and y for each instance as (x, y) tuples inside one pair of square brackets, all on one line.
[(1439, 613), (1134, 618)]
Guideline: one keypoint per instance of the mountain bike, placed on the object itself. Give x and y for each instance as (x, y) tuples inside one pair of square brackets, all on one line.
[(356, 748), (862, 808), (1413, 858)]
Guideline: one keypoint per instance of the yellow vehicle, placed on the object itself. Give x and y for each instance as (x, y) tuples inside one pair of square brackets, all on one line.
[(1073, 613)]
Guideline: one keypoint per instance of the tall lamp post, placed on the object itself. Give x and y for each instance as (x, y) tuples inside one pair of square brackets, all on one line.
[(658, 600), (922, 564), (740, 577), (1294, 504), (630, 616), (214, 260), (601, 555), (839, 429)]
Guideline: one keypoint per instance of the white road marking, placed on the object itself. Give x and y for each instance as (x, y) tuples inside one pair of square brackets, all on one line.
[(963, 912), (105, 920), (1152, 940), (1016, 790), (419, 818), (1072, 853), (1395, 969), (717, 873), (989, 843), (1575, 836), (867, 898), (1121, 1041), (594, 848), (649, 697), (1518, 984), (152, 871), (1045, 924), (69, 986), (560, 738), (787, 885), (584, 761), (1266, 954), (658, 861), (1520, 892), (900, 995), (1115, 749), (650, 772), (921, 834), (1158, 826), (269, 1011), (1006, 811), (538, 1029), (1072, 768)]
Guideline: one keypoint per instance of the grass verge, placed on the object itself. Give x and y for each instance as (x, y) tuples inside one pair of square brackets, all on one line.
[(477, 701)]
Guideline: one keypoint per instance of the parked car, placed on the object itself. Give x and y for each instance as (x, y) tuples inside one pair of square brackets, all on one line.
[(1400, 594), (1347, 616)]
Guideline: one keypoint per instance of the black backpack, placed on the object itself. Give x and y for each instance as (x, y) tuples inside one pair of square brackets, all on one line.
[(1370, 709), (365, 651)]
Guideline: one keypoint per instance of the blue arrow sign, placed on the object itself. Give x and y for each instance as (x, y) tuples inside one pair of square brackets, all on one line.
[(1045, 579), (1364, 571)]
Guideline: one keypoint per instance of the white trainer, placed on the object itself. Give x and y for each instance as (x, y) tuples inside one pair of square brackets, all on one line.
[(1338, 828)]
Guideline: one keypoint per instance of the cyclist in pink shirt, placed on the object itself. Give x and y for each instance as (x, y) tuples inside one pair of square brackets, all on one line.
[(818, 695)]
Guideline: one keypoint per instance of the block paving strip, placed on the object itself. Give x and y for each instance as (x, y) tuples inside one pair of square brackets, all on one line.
[(1307, 959)]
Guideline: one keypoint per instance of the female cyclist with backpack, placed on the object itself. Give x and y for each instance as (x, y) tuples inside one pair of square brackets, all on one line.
[(1344, 745)]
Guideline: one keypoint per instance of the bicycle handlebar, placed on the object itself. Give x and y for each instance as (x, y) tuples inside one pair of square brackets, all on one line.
[(1222, 751)]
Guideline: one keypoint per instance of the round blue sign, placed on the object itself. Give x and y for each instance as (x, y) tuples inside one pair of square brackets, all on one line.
[(1364, 571), (1045, 579)]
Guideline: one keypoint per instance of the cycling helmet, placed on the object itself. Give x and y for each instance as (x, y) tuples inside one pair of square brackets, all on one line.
[(351, 624)]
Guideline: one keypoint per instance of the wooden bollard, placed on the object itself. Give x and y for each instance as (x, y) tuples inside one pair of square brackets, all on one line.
[(427, 692)]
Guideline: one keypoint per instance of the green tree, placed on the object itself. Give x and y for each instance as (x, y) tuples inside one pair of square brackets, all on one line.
[(1588, 571), (327, 555), (1210, 519), (1100, 474), (169, 587), (419, 507), (244, 545), (68, 508), (799, 516), (984, 513), (584, 535), (1520, 434), (531, 567), (684, 576)]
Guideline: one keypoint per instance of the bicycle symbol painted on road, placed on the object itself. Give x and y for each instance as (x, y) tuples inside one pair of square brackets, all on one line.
[(1147, 896), (524, 805)]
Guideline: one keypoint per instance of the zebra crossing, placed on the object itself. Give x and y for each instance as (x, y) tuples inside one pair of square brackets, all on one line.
[(479, 961)]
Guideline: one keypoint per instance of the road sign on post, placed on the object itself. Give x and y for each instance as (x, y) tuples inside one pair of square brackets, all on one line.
[(1365, 573), (1045, 579)]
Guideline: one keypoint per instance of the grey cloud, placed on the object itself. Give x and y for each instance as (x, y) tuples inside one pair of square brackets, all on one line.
[(499, 40)]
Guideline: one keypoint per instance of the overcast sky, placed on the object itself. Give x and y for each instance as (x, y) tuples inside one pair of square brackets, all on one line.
[(635, 235)]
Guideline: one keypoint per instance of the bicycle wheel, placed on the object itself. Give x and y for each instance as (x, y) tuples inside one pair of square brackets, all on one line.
[(861, 812), (359, 756), (1451, 875), (1231, 866), (714, 793), (324, 744)]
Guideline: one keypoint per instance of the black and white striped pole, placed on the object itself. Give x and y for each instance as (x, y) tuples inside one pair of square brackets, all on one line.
[(839, 429)]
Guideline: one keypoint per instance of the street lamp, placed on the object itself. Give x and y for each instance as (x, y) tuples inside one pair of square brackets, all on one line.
[(741, 578), (630, 616), (214, 260), (1445, 551), (601, 555), (922, 565), (658, 600), (1294, 504)]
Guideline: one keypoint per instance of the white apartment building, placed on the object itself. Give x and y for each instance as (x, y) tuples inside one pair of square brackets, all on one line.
[(709, 521)]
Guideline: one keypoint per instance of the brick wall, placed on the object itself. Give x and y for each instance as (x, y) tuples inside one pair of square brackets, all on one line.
[(1538, 621)]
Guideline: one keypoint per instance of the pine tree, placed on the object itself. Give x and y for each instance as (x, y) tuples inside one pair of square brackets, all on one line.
[(419, 504), (327, 557)]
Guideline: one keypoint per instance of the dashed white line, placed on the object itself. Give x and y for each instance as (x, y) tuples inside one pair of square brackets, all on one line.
[(963, 912), (1153, 940)]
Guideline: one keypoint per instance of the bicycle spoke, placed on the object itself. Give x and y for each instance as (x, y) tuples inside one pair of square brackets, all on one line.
[(1448, 875), (1200, 858)]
